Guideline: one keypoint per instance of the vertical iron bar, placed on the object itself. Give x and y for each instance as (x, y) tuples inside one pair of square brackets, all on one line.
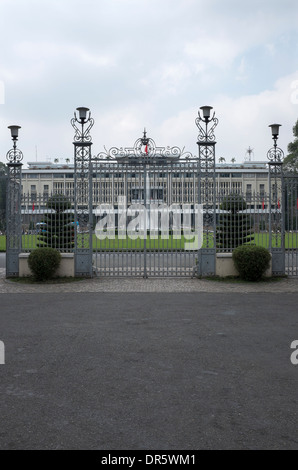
[(145, 220)]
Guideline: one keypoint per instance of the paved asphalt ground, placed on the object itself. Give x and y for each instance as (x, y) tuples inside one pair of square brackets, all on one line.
[(2, 260), (151, 371)]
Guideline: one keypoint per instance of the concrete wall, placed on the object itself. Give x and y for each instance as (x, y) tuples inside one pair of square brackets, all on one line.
[(66, 268), (225, 266)]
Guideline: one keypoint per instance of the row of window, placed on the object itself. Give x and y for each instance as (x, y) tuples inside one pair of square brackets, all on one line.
[(178, 185), (137, 175)]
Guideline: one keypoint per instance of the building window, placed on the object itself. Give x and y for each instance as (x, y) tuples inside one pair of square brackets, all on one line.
[(248, 192), (262, 175)]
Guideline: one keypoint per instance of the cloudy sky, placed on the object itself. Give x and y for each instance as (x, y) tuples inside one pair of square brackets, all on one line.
[(147, 63)]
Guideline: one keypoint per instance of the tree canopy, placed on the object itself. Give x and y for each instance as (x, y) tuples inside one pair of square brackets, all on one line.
[(291, 161), (59, 228), (234, 227)]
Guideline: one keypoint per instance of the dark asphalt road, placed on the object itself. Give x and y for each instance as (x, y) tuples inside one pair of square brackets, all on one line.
[(148, 371), (2, 260)]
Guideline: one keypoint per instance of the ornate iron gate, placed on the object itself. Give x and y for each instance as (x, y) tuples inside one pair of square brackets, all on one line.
[(147, 210), (144, 202)]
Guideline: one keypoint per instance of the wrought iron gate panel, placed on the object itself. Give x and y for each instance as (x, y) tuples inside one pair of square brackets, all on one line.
[(138, 194), (290, 184), (114, 188)]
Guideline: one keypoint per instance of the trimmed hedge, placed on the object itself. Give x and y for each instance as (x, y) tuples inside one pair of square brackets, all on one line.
[(234, 228), (44, 262), (251, 261)]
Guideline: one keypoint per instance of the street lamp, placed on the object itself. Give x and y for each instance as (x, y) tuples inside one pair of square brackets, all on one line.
[(206, 136), (14, 130), (206, 112), (83, 114), (275, 155), (14, 155), (275, 130), (84, 119)]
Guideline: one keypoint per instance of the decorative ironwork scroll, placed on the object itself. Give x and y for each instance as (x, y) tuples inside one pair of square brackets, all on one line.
[(144, 151)]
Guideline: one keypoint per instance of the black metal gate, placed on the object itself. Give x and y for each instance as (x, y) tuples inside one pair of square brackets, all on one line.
[(146, 220)]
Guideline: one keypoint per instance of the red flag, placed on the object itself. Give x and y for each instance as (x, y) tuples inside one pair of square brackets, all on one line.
[(263, 204), (146, 149), (33, 207), (278, 204)]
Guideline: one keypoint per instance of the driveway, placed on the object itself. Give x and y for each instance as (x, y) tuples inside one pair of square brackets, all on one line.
[(129, 371)]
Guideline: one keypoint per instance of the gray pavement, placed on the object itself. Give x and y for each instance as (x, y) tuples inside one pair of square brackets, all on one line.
[(148, 370), (2, 260)]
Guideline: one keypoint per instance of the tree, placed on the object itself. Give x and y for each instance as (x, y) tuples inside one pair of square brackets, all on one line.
[(221, 159), (291, 161), (59, 229), (290, 165), (3, 183), (233, 160), (234, 227), (291, 202)]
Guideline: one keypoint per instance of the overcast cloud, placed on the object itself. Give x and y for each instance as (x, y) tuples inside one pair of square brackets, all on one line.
[(147, 63)]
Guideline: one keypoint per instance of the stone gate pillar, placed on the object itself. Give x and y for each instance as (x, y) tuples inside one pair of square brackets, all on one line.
[(276, 205), (13, 206), (207, 189), (83, 192)]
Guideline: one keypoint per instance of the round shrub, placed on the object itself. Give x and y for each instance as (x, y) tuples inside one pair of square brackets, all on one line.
[(44, 262), (251, 261)]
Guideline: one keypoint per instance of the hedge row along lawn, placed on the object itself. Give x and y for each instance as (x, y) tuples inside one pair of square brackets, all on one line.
[(260, 239)]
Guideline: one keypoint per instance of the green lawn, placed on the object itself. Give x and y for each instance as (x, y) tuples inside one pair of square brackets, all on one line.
[(260, 239)]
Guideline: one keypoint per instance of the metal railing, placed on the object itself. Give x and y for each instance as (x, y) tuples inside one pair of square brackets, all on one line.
[(48, 220)]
